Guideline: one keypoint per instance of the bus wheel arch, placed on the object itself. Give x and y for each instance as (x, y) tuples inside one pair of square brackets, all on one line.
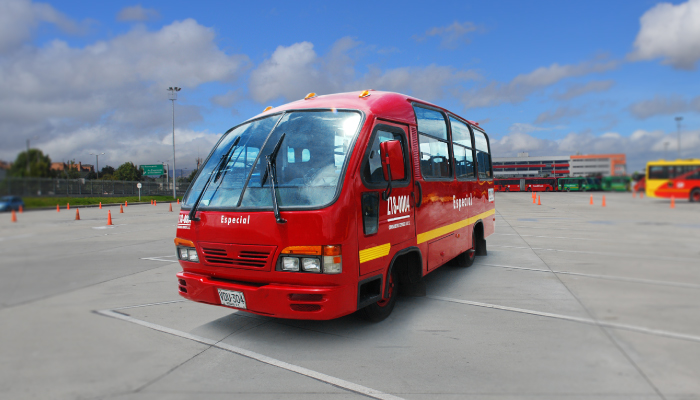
[(480, 239), (695, 195)]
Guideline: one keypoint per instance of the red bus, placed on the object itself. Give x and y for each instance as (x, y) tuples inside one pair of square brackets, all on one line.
[(332, 204), (685, 186), (525, 184)]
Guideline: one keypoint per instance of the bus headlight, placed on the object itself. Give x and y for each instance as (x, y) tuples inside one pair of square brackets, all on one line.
[(311, 264), (187, 254), (290, 264)]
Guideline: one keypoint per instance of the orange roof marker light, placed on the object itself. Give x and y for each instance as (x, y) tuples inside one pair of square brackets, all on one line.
[(365, 93), (310, 96), (268, 108)]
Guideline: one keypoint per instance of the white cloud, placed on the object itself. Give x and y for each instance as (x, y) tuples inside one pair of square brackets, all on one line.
[(451, 35), (660, 105), (561, 113), (19, 18), (293, 71), (670, 32), (523, 85), (110, 94), (640, 147), (577, 90), (137, 13)]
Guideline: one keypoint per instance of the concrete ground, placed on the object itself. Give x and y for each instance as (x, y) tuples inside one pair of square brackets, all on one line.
[(573, 301)]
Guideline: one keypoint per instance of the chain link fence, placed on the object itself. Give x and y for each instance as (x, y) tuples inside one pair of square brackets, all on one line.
[(46, 187)]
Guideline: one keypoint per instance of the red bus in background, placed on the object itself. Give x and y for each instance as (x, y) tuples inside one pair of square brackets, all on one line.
[(686, 186), (332, 204), (525, 184)]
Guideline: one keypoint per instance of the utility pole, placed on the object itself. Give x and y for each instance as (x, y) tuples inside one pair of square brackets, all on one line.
[(27, 157), (665, 150), (173, 96), (678, 124), (97, 163)]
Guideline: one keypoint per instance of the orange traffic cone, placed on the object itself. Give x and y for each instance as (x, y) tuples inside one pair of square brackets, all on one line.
[(77, 215), (673, 202), (539, 200), (121, 209), (151, 201), (178, 200), (21, 209), (534, 199), (641, 194), (171, 207), (155, 202), (126, 203), (14, 216), (67, 206), (100, 205), (109, 217), (58, 209), (603, 201), (591, 199), (634, 194)]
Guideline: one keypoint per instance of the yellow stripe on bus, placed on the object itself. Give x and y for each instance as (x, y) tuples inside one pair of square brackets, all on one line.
[(373, 253), (444, 230)]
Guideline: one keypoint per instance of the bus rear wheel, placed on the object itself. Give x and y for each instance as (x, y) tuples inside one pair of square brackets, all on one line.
[(467, 258), (380, 310), (695, 195)]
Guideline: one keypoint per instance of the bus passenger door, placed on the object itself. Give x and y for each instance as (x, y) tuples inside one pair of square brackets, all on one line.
[(387, 215), (522, 185)]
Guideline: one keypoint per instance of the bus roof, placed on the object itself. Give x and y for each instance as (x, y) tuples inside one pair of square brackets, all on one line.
[(688, 161), (394, 106)]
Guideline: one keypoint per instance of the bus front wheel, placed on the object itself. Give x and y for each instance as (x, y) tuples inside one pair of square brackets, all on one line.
[(380, 310), (695, 195)]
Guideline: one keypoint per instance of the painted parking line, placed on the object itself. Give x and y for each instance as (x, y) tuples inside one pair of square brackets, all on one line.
[(549, 237), (602, 253), (331, 380), (608, 277), (633, 328), (159, 258)]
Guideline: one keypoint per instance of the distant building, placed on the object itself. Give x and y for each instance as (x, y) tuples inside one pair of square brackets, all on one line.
[(84, 169), (559, 166)]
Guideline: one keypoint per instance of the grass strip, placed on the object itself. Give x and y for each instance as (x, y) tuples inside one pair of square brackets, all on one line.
[(39, 202)]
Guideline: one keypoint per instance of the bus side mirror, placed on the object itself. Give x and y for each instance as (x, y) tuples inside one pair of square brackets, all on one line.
[(392, 160)]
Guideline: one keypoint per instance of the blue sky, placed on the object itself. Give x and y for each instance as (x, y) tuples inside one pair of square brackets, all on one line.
[(547, 77)]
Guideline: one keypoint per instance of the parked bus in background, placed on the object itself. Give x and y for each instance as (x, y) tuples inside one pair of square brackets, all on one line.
[(660, 172), (577, 184), (686, 186), (525, 184), (616, 183), (333, 204)]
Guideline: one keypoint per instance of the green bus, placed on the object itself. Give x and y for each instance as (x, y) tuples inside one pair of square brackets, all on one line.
[(617, 183), (579, 184)]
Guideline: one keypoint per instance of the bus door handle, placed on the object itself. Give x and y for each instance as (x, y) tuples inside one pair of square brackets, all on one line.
[(418, 201)]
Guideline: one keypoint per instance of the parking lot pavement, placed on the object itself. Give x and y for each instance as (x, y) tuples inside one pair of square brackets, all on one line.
[(573, 301)]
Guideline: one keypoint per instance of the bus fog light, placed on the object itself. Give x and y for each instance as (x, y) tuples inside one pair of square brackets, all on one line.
[(311, 264), (290, 264), (332, 264)]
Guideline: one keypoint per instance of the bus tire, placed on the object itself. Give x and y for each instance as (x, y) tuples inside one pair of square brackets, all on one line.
[(380, 310), (695, 195), (507, 189), (467, 258)]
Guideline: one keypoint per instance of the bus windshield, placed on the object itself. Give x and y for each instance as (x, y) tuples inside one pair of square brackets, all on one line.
[(309, 163)]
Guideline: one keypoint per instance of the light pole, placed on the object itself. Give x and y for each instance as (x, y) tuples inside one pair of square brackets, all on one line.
[(33, 137), (173, 96), (167, 173), (97, 163), (665, 150), (678, 124)]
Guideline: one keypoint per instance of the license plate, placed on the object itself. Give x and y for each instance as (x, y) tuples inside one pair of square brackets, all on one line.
[(232, 298)]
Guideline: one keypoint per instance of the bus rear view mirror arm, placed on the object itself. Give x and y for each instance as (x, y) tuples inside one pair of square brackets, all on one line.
[(392, 164)]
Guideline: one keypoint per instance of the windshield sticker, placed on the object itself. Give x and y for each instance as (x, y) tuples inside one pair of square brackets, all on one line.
[(184, 221), (457, 204), (235, 220)]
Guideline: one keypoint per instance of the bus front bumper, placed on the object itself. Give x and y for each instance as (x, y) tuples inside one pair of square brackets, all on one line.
[(274, 300)]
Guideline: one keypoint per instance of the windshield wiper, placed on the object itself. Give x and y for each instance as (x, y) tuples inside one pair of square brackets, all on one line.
[(271, 171), (219, 169)]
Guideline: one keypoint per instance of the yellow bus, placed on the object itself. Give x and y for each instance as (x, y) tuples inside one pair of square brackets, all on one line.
[(662, 171)]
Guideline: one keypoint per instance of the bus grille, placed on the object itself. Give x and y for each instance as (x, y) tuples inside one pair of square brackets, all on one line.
[(238, 255)]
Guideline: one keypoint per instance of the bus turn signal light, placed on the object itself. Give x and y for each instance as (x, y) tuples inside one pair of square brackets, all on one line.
[(307, 250)]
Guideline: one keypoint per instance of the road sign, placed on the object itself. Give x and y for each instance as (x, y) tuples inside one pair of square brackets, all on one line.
[(153, 169), (138, 185)]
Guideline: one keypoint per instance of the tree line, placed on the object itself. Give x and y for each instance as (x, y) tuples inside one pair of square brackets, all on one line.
[(40, 167)]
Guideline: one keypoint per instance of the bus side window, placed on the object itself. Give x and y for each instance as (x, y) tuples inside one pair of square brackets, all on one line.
[(433, 143), (462, 149), (483, 158)]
